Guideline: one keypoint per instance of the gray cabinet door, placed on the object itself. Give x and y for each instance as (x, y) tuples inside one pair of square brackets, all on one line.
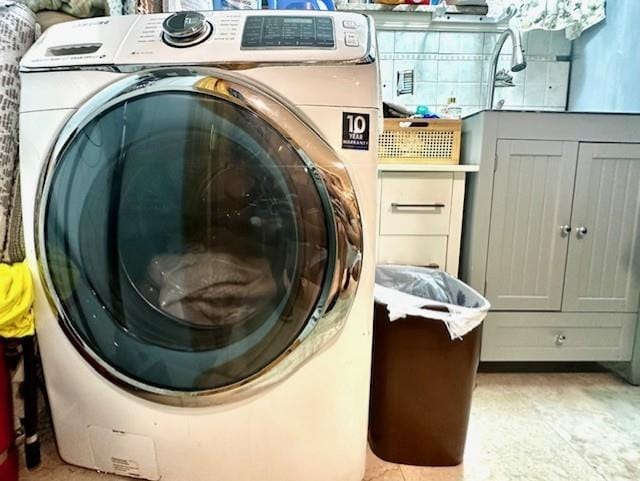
[(532, 196), (603, 268)]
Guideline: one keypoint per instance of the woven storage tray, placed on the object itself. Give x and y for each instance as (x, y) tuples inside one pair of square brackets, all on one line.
[(426, 141)]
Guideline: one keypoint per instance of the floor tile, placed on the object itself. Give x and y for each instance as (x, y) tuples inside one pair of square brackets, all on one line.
[(598, 417), (393, 474), (523, 427), (380, 470)]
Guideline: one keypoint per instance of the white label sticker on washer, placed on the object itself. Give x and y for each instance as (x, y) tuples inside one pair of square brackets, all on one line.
[(123, 453), (355, 131)]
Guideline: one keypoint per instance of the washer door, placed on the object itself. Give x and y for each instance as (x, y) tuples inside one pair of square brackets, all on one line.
[(194, 231)]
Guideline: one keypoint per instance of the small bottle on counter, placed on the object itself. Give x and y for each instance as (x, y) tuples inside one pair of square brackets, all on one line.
[(452, 110)]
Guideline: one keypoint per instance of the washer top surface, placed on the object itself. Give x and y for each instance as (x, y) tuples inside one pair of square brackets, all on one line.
[(236, 37)]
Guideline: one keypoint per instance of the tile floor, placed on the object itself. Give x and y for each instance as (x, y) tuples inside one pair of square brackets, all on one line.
[(525, 427)]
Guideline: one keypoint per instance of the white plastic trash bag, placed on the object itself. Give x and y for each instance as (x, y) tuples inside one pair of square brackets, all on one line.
[(410, 291)]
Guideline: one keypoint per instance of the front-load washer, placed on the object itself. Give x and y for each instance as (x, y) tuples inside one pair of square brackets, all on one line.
[(199, 197)]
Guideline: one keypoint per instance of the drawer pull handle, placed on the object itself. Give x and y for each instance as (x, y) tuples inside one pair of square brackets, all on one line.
[(560, 339), (582, 231), (433, 265), (395, 205)]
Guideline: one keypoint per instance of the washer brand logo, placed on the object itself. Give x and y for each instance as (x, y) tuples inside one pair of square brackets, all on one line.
[(355, 131)]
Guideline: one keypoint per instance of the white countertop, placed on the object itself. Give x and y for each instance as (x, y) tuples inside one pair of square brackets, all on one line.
[(427, 168)]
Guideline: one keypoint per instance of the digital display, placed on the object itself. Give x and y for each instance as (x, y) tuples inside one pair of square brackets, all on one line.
[(288, 32)]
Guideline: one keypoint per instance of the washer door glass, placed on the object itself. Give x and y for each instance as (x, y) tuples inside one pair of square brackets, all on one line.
[(187, 241)]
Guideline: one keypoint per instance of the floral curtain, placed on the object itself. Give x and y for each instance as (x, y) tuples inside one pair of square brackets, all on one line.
[(572, 16)]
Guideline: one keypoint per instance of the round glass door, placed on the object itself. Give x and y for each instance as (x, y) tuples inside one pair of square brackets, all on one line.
[(186, 240)]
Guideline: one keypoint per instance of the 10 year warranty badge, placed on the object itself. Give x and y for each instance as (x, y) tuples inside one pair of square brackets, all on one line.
[(355, 131)]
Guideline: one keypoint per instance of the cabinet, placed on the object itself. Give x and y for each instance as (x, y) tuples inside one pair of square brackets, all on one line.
[(552, 235), (564, 227), (603, 264), (420, 214), (533, 190)]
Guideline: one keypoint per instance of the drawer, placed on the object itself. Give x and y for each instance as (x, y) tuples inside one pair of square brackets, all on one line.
[(414, 250), (548, 336), (415, 203)]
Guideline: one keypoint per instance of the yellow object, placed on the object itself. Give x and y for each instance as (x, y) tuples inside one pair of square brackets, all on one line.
[(16, 300)]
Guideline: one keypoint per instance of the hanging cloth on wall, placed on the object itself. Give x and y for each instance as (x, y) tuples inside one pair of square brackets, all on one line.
[(572, 16), (96, 8), (77, 8), (17, 33)]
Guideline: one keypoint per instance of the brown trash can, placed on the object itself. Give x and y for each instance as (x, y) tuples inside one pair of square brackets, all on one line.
[(421, 388)]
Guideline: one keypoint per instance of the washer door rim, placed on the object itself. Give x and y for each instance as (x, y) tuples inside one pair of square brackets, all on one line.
[(322, 162)]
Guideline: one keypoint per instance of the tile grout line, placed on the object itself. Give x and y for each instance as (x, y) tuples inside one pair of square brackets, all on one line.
[(555, 430), (401, 473)]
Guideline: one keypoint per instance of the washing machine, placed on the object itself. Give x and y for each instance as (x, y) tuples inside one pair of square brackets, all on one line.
[(199, 204)]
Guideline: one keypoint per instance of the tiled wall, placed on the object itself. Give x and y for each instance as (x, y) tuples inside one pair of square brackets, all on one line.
[(448, 63)]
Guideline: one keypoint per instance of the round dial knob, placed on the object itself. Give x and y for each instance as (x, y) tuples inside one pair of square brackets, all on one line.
[(184, 29)]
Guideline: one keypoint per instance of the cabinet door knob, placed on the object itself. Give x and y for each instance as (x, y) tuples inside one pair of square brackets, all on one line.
[(582, 231), (560, 339), (565, 229)]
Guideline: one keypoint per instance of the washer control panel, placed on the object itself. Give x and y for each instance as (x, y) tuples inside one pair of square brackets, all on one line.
[(262, 31), (205, 38)]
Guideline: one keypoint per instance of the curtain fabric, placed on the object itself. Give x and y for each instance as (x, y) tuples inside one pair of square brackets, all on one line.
[(572, 16), (17, 33)]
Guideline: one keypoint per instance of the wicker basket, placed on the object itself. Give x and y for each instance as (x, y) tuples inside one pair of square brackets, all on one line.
[(420, 141)]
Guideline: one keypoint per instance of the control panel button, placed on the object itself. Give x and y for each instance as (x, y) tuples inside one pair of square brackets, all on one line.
[(184, 29), (351, 39), (350, 24), (286, 31)]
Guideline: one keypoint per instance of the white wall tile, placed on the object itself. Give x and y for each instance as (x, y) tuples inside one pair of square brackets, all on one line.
[(483, 93), (470, 71), (534, 94), (556, 95), (536, 72), (386, 70), (465, 94), (424, 70), (386, 41), (417, 42), (450, 42), (448, 71), (387, 91), (513, 96), (559, 44), (538, 42), (460, 71), (468, 94), (446, 90), (424, 93), (445, 71), (490, 40), (454, 42), (472, 43), (558, 73)]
